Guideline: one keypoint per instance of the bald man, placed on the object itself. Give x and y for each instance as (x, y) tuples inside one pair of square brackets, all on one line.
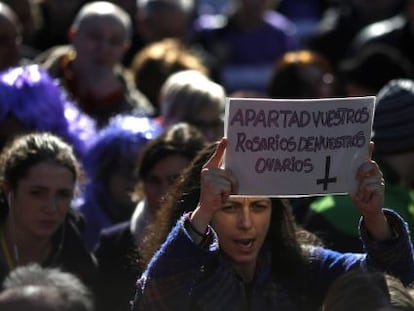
[(90, 69)]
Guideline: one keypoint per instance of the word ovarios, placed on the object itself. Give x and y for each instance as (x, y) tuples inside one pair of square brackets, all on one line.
[(290, 164)]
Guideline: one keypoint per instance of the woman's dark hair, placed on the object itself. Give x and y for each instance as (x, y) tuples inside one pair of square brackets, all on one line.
[(182, 197), (153, 64), (371, 290), (181, 139), (287, 240), (357, 289), (28, 150), (289, 80)]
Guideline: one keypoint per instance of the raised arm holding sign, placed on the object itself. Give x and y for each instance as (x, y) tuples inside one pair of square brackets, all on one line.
[(232, 246)]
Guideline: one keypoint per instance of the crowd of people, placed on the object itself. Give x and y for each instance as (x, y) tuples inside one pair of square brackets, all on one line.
[(113, 195)]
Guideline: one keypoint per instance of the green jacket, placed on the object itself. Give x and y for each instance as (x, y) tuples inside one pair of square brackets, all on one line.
[(339, 213)]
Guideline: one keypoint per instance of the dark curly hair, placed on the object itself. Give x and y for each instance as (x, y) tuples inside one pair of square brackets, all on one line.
[(28, 150)]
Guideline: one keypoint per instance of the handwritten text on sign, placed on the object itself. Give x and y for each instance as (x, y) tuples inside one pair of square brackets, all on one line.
[(297, 147)]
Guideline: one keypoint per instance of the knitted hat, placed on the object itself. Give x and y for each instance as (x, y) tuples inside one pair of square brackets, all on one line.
[(394, 118)]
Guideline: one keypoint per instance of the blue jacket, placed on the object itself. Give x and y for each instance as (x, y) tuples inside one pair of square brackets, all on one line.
[(184, 276)]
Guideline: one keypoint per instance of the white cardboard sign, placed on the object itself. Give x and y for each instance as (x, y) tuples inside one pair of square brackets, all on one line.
[(297, 147)]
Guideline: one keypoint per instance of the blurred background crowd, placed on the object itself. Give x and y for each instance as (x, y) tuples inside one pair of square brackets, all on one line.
[(138, 87)]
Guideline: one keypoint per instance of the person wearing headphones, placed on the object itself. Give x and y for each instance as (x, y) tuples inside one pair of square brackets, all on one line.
[(38, 177)]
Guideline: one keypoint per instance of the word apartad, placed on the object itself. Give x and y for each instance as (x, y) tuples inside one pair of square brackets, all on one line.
[(293, 118)]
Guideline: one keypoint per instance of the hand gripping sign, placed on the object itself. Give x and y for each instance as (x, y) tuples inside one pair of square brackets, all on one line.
[(297, 147)]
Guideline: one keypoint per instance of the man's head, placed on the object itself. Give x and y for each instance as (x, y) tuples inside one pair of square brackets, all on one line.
[(101, 33), (35, 288), (159, 19)]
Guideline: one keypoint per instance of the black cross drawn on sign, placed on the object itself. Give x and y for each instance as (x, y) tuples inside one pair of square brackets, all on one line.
[(326, 180)]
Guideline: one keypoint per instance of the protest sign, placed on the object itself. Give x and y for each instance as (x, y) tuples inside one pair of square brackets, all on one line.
[(297, 147)]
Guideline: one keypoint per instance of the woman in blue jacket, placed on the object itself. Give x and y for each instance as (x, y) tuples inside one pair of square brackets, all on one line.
[(245, 253)]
